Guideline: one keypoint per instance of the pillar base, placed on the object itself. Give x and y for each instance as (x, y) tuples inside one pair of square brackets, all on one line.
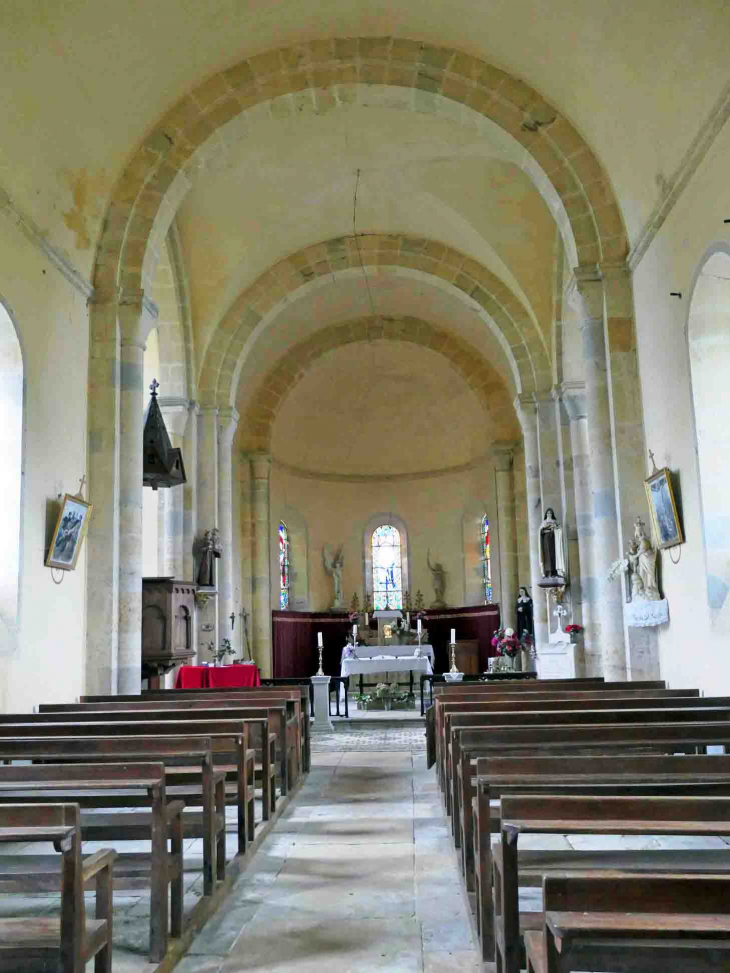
[(322, 719)]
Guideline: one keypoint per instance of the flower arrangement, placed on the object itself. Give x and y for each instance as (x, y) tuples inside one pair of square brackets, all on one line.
[(573, 629), (220, 654), (506, 642), (527, 644), (353, 616)]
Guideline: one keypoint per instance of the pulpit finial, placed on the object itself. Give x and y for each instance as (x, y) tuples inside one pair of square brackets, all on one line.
[(154, 386)]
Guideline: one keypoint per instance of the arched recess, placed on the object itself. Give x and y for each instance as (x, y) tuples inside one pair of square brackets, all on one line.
[(257, 424), (11, 480), (520, 340), (378, 520), (708, 335), (315, 70), (298, 558)]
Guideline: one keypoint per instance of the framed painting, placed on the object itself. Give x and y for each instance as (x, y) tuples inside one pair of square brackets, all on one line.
[(71, 526), (664, 516)]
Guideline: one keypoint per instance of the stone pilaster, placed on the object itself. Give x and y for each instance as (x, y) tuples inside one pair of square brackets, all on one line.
[(261, 561), (134, 328), (583, 582), (608, 622), (227, 424), (175, 412), (506, 531), (190, 493), (207, 520), (526, 409)]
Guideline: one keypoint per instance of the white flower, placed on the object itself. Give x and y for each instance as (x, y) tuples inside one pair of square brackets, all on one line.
[(509, 631)]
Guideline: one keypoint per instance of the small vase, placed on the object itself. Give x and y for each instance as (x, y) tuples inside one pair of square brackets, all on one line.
[(517, 662), (388, 704), (573, 636)]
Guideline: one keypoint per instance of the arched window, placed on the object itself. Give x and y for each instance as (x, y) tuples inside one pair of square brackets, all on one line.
[(283, 566), (486, 560), (387, 568), (11, 450)]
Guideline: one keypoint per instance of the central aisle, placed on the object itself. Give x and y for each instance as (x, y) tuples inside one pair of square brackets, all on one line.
[(358, 876)]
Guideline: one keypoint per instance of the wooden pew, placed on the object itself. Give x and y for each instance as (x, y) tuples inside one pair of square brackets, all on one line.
[(289, 729), (69, 943), (245, 717), (117, 785), (644, 775), (662, 738), (203, 785), (704, 816), (674, 923)]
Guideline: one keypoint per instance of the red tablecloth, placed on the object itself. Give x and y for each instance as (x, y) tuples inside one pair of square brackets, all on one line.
[(215, 677)]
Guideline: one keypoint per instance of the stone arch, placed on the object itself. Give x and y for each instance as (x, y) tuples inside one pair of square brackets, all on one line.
[(314, 70), (257, 423), (520, 338)]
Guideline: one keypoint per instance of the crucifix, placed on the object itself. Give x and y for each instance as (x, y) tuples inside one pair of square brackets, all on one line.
[(80, 494), (653, 464), (243, 615)]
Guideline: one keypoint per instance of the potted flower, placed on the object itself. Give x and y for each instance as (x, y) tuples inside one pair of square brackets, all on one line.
[(573, 631), (222, 652), (507, 644)]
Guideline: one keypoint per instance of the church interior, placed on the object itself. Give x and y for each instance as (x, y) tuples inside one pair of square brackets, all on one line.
[(365, 355)]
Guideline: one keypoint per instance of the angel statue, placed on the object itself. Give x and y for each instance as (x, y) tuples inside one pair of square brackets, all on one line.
[(438, 580), (333, 563)]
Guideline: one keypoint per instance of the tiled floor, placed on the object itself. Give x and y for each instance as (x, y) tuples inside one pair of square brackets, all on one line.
[(358, 876)]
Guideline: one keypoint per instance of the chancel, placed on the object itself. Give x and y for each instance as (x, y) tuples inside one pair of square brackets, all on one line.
[(390, 346)]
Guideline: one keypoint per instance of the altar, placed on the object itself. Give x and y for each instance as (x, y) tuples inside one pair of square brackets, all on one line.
[(382, 660)]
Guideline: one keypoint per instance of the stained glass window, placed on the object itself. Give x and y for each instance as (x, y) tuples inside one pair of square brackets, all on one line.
[(284, 565), (486, 561), (387, 580)]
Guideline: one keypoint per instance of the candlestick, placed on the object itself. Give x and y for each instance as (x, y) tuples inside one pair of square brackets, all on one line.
[(453, 636), (319, 640), (453, 657), (320, 671), (408, 621), (354, 633)]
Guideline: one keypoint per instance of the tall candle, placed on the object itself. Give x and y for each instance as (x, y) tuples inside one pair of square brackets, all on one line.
[(367, 620), (408, 621), (354, 631), (419, 626), (453, 635), (320, 644)]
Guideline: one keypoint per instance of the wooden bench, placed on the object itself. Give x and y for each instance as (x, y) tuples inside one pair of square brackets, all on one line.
[(674, 923), (645, 775), (201, 785), (67, 944), (545, 814), (281, 716), (236, 725), (114, 786)]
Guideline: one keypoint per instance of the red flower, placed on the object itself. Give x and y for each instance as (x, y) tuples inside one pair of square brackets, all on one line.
[(570, 629)]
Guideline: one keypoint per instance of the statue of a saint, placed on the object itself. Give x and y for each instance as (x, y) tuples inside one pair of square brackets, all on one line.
[(552, 559), (210, 549), (646, 563), (333, 564), (632, 557), (438, 580), (524, 612)]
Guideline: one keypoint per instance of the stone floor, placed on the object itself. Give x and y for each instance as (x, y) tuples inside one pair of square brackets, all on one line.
[(358, 876), (349, 738)]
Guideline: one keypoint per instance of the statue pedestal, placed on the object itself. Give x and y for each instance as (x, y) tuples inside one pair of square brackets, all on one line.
[(557, 660), (645, 614), (322, 719)]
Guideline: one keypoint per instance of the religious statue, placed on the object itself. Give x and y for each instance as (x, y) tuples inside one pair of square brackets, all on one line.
[(524, 612), (646, 563), (210, 549), (333, 564), (438, 580), (552, 557)]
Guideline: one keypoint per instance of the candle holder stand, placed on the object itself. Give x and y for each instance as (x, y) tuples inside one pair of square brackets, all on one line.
[(453, 657), (320, 671)]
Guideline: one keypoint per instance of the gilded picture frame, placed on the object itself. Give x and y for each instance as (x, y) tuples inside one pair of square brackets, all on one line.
[(69, 534), (664, 515)]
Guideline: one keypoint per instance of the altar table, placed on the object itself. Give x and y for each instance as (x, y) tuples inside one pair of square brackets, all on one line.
[(400, 651), (217, 677)]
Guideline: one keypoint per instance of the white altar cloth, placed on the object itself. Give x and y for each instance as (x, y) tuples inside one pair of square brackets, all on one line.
[(400, 651), (356, 667)]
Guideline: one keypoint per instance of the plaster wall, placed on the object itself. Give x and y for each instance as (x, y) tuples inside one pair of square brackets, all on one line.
[(50, 316), (435, 510), (693, 230)]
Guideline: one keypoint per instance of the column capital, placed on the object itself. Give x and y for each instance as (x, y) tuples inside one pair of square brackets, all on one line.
[(260, 465), (207, 411), (526, 409), (175, 411), (502, 454), (137, 316), (227, 424), (573, 395)]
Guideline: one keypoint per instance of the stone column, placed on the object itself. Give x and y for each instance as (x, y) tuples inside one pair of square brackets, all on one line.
[(175, 412), (208, 618), (134, 328), (526, 409), (190, 493), (261, 561), (507, 532), (608, 621), (582, 582), (227, 424)]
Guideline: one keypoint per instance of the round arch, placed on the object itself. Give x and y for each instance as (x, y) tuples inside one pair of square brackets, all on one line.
[(501, 310), (316, 69), (257, 423)]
